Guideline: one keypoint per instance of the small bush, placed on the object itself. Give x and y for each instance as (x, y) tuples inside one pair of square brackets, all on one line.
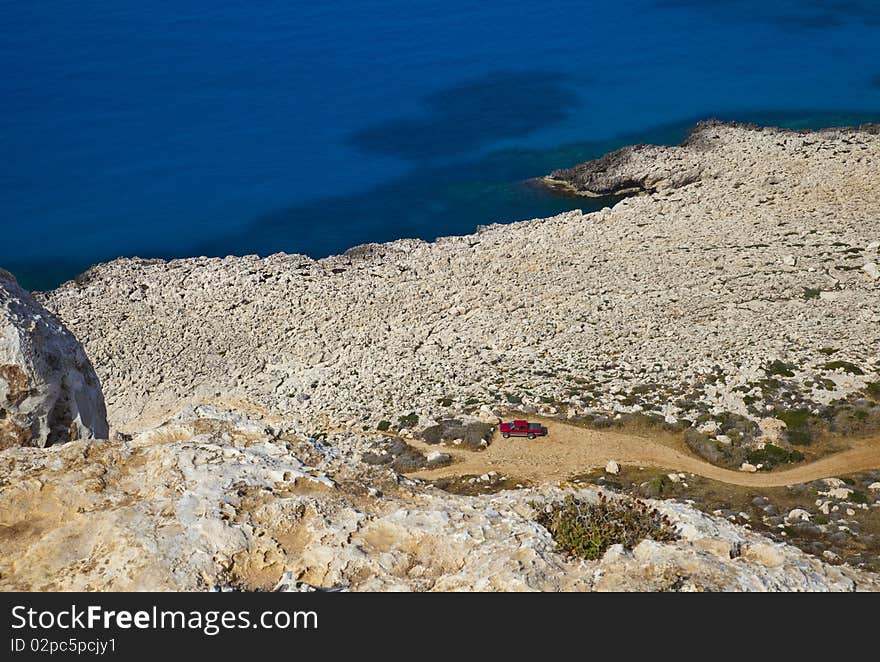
[(512, 398), (383, 426), (811, 293), (858, 497), (657, 488), (794, 418), (780, 368), (846, 366), (587, 530), (408, 420), (799, 422), (873, 390), (772, 455), (799, 437), (712, 451), (474, 435)]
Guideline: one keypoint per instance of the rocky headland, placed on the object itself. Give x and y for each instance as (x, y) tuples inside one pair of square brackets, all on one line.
[(264, 413)]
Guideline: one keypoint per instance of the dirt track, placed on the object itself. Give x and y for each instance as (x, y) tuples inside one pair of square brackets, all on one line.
[(569, 450)]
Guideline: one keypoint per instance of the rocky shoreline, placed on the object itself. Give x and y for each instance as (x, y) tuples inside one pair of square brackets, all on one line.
[(749, 292), (733, 300)]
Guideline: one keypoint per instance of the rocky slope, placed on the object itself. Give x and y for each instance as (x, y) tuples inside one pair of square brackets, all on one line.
[(213, 500), (683, 302), (741, 285), (49, 392)]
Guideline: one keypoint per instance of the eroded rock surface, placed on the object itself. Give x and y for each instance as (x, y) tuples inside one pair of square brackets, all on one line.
[(680, 304), (213, 499), (49, 392)]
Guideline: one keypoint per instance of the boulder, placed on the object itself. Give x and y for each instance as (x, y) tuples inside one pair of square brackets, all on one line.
[(486, 415), (709, 427), (798, 515), (612, 467), (49, 392), (772, 430)]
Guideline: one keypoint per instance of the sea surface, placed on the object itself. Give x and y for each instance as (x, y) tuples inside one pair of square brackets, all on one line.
[(210, 127)]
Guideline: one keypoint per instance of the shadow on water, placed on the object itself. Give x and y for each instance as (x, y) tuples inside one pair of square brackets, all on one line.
[(436, 199), (472, 115), (432, 201)]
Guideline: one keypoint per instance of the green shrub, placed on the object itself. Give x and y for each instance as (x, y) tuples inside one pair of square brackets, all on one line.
[(708, 449), (846, 366), (780, 368), (794, 418), (811, 293), (513, 398), (772, 455), (799, 426), (587, 529), (858, 497), (799, 437), (383, 426), (474, 436), (408, 420), (873, 390)]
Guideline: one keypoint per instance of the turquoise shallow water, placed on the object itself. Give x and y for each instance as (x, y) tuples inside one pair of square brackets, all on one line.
[(195, 127)]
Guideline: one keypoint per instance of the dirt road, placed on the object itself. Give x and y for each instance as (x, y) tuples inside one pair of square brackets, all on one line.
[(569, 450)]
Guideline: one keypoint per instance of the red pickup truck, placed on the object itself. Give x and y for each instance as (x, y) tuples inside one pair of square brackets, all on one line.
[(523, 429)]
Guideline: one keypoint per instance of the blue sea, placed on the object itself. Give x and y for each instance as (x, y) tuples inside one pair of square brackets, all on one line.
[(210, 127)]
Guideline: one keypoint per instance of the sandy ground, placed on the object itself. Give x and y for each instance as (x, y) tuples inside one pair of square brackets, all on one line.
[(569, 450)]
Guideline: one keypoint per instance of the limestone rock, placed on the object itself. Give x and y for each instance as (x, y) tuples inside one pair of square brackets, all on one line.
[(49, 392), (772, 430), (767, 554), (709, 427), (214, 499), (798, 515), (612, 467)]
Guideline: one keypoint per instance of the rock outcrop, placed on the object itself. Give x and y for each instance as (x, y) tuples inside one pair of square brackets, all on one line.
[(214, 499), (49, 392), (632, 169)]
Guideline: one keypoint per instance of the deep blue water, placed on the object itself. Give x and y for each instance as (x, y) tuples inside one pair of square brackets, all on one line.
[(193, 127)]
